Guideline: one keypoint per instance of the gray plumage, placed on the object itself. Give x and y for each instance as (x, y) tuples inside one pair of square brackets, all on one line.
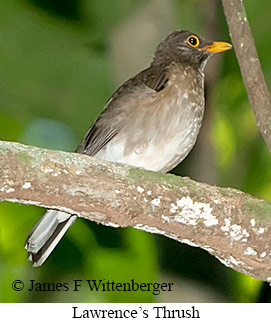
[(151, 121)]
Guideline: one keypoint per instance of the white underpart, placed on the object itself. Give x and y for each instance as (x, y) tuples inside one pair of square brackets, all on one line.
[(148, 155), (176, 111)]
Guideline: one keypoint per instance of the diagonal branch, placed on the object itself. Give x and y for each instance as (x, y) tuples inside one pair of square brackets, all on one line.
[(233, 226), (250, 66)]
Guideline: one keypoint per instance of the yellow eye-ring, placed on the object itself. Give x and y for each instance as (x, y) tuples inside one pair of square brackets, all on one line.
[(193, 41)]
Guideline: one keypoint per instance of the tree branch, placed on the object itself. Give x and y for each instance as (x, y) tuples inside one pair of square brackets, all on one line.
[(233, 226), (250, 66)]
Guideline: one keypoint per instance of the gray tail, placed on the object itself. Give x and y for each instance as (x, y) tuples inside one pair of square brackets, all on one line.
[(45, 235)]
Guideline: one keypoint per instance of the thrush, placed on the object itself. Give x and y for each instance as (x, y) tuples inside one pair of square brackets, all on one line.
[(151, 121)]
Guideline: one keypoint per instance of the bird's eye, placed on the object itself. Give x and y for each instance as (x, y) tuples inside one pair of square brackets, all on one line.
[(193, 41)]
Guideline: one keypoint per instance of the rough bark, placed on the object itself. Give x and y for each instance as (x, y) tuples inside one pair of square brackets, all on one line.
[(258, 93), (233, 226)]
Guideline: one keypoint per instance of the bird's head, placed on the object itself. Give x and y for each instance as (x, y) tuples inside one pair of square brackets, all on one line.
[(186, 47)]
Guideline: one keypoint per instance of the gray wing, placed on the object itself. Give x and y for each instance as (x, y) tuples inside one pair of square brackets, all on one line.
[(109, 123), (46, 234)]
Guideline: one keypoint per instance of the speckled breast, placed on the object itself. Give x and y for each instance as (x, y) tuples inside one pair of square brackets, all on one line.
[(166, 126)]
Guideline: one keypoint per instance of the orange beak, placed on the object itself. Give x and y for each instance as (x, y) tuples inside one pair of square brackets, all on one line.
[(217, 47)]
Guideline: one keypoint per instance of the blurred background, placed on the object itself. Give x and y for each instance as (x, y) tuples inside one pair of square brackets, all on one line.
[(60, 60)]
